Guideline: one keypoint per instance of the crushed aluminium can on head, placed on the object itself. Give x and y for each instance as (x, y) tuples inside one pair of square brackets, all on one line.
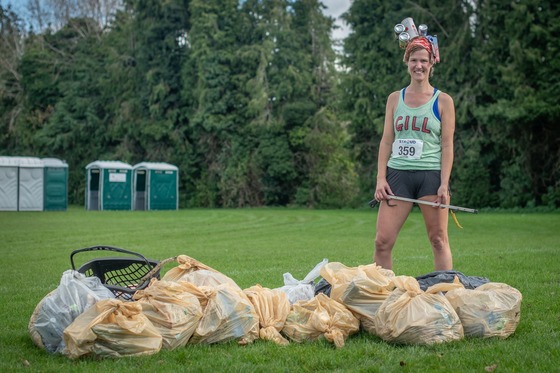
[(398, 29), (422, 30), (404, 39), (410, 27)]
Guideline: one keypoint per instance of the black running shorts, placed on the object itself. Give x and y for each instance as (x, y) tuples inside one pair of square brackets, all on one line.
[(414, 183)]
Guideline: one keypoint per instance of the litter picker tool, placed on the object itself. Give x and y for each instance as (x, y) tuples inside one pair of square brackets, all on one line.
[(374, 202), (451, 208)]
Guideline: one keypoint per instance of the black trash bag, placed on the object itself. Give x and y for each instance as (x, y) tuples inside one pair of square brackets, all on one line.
[(323, 287), (432, 278)]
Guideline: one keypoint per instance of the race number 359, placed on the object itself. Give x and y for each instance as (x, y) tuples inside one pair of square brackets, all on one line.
[(407, 148)]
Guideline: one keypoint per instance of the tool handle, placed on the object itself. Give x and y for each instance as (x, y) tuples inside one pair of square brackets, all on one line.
[(374, 203)]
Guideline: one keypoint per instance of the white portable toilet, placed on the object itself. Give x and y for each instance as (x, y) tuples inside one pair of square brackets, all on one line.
[(21, 184), (31, 184), (9, 169)]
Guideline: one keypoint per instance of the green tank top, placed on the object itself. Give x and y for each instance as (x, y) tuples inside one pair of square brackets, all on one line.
[(417, 144)]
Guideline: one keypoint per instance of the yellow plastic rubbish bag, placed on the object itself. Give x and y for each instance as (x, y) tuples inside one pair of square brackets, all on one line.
[(272, 306), (490, 310), (195, 272), (227, 315), (320, 317), (412, 316), (361, 289), (172, 308), (112, 328)]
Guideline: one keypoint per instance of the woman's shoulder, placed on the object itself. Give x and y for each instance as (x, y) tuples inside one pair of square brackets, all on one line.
[(394, 96), (446, 104), (445, 97)]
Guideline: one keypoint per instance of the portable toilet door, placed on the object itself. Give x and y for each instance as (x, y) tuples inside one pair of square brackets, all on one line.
[(9, 184), (56, 184), (31, 184), (140, 184), (156, 186), (109, 186), (93, 184)]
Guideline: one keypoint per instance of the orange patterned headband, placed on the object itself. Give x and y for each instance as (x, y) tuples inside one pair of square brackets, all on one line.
[(422, 42)]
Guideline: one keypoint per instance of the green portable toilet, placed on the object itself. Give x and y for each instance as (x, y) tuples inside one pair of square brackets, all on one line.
[(9, 182), (109, 186), (55, 196), (156, 186)]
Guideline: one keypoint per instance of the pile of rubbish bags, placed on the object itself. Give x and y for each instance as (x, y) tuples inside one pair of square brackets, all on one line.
[(196, 304)]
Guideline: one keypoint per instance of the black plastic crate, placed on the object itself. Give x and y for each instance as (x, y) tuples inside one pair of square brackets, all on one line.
[(122, 275)]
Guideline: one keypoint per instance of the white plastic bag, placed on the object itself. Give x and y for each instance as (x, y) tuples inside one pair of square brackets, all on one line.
[(304, 289), (75, 294)]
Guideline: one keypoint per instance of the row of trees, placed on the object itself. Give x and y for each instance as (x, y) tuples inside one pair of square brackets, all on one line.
[(252, 103)]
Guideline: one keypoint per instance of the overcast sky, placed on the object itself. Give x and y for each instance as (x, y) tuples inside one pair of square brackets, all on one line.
[(334, 9)]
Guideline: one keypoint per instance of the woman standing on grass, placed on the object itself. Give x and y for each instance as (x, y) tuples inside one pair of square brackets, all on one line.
[(415, 157)]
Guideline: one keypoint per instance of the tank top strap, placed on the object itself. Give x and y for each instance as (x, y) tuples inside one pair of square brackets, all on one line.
[(435, 107)]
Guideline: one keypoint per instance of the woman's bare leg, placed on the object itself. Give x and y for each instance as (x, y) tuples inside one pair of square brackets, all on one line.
[(436, 220), (390, 220)]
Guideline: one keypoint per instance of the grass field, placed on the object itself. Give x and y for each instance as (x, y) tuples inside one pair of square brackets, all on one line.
[(256, 246)]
